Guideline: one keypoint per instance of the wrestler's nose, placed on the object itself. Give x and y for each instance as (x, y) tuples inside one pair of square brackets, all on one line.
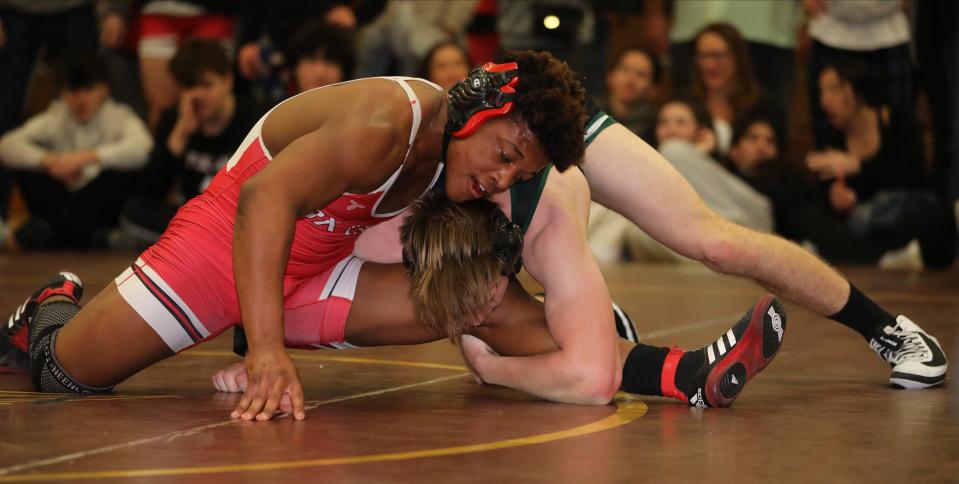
[(505, 177)]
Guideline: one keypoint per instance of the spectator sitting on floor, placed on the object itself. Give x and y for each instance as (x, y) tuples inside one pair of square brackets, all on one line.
[(320, 54), (632, 87), (754, 156), (445, 64), (724, 81), (873, 171), (687, 141), (73, 161), (194, 140)]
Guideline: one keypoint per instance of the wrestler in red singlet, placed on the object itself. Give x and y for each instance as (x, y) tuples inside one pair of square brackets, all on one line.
[(183, 286)]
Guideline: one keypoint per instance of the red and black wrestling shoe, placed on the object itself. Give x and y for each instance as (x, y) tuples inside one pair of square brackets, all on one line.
[(15, 335), (732, 360)]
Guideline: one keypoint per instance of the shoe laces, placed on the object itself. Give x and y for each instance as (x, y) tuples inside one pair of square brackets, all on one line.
[(910, 345)]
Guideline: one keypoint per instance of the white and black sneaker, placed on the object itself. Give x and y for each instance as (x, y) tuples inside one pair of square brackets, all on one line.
[(916, 357)]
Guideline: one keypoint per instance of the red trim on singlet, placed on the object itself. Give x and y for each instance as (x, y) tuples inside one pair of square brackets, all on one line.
[(171, 306)]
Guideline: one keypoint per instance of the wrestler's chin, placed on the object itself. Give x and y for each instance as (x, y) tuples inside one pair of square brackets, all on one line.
[(456, 199), (458, 194)]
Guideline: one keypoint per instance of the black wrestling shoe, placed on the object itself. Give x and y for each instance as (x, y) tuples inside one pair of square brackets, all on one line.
[(624, 324), (733, 359), (15, 335), (916, 357)]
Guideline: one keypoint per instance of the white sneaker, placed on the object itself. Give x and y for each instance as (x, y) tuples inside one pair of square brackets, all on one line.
[(908, 258), (916, 357)]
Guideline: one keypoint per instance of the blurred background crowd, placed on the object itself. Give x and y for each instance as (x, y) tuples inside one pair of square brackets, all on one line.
[(831, 122)]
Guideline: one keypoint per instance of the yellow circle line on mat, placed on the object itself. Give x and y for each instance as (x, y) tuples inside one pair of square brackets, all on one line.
[(628, 409), (344, 359)]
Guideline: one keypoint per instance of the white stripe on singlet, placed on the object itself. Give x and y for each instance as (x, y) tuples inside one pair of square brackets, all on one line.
[(417, 117), (342, 280), (254, 137)]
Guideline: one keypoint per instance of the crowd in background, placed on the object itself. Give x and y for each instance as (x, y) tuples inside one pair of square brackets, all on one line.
[(115, 112)]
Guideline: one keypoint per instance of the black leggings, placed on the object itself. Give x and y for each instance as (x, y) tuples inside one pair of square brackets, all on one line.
[(63, 219)]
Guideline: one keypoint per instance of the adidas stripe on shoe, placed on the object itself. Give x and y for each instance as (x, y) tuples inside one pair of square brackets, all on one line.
[(734, 358)]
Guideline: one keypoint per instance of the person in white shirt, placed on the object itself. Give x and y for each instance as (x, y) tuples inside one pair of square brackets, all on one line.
[(71, 162)]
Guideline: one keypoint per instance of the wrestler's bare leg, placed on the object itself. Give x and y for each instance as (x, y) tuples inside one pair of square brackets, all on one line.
[(382, 315), (107, 341)]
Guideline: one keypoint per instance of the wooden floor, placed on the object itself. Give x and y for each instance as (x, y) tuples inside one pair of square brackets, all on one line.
[(821, 412)]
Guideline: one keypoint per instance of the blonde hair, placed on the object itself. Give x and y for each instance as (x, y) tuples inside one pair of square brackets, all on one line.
[(455, 258)]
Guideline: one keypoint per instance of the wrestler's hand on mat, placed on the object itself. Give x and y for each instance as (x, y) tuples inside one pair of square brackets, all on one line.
[(232, 379), (271, 375), (475, 351)]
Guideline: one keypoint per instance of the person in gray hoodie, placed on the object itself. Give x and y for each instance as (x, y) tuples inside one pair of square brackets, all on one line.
[(73, 161)]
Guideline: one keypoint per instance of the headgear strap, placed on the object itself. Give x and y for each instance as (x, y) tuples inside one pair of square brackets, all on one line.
[(487, 92), (507, 243)]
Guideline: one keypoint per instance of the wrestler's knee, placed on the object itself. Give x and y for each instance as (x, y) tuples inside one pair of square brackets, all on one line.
[(48, 374)]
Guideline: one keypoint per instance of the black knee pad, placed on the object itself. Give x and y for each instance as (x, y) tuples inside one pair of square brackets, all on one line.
[(51, 316), (47, 373)]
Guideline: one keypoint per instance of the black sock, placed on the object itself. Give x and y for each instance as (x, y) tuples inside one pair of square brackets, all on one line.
[(643, 370), (688, 365), (862, 314)]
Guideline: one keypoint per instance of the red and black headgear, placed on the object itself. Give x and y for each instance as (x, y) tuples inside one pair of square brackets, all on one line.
[(487, 92)]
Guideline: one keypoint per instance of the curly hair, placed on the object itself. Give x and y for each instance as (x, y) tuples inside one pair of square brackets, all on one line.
[(550, 98), (451, 258)]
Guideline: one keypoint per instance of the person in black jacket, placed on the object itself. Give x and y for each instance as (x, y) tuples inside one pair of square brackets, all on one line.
[(193, 141), (872, 172)]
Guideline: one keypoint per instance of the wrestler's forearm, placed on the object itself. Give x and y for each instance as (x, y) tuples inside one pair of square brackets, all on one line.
[(261, 243), (553, 376)]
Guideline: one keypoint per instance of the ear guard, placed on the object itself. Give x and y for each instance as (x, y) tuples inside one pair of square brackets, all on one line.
[(487, 92), (507, 243)]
